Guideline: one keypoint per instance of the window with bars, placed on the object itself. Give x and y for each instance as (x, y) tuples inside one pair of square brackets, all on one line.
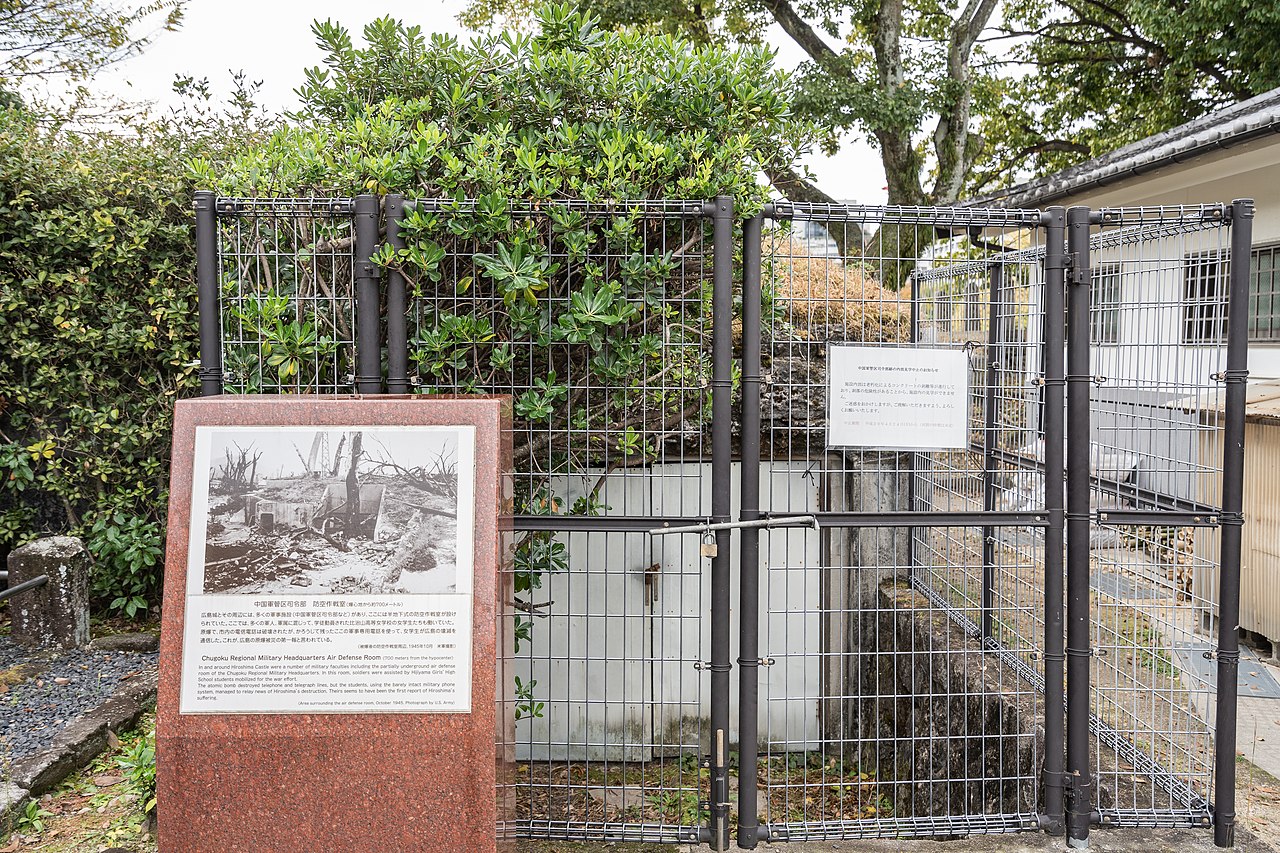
[(1204, 298), (973, 304), (942, 311), (1264, 301), (1104, 305)]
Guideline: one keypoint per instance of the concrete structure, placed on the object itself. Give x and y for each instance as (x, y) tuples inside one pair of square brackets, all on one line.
[(56, 614)]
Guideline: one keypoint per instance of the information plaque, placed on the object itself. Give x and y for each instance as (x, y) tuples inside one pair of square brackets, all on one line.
[(897, 398), (329, 570)]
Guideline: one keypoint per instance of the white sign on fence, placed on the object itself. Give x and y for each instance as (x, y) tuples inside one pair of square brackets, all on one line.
[(897, 398)]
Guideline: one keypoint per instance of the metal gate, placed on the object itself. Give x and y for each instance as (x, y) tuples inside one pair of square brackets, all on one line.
[(730, 629)]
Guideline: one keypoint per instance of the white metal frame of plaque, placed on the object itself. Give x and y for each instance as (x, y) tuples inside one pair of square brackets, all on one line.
[(897, 398), (330, 570)]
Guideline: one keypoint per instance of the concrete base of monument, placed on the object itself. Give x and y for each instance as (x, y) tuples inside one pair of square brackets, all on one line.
[(327, 785), (298, 706)]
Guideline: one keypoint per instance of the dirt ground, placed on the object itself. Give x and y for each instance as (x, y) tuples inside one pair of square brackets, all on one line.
[(1258, 802)]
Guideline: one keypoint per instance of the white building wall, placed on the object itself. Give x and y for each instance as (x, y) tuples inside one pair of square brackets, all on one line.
[(1250, 170), (614, 663)]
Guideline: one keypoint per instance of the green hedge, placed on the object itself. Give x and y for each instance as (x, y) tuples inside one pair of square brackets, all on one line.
[(98, 327), (97, 284)]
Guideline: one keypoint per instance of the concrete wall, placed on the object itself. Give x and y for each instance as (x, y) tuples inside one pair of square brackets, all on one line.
[(615, 660)]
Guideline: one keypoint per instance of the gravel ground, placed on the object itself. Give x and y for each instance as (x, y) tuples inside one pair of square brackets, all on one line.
[(41, 692)]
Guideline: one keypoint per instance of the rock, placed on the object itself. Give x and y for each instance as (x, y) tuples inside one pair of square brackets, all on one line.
[(13, 800), (74, 747), (621, 796), (55, 615), (141, 642)]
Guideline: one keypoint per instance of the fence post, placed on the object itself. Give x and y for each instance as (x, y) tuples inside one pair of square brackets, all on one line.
[(721, 496), (1052, 425), (1232, 521), (207, 292), (914, 469), (368, 303), (1078, 488), (397, 304), (988, 453), (749, 510)]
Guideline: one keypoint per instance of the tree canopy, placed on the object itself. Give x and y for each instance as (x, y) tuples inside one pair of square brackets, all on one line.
[(40, 38), (1105, 74), (570, 110), (958, 98)]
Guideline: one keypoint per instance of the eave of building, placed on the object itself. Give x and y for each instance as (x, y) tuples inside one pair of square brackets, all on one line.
[(1254, 120)]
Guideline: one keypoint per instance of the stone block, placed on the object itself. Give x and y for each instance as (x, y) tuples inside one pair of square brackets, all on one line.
[(73, 748), (55, 615), (372, 781), (13, 801)]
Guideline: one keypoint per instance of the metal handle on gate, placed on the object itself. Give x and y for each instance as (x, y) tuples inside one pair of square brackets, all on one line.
[(810, 521)]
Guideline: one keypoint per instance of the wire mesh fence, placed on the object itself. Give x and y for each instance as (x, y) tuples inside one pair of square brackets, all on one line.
[(595, 319), (913, 729), (286, 296), (901, 665), (1159, 305)]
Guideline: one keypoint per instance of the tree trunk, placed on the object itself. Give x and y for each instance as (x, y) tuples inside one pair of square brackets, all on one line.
[(353, 489)]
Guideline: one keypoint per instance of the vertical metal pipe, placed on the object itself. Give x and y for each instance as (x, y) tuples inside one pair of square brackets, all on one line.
[(721, 497), (207, 293), (368, 301), (397, 304), (988, 452), (749, 574), (1078, 643), (1232, 520), (1052, 424), (914, 470)]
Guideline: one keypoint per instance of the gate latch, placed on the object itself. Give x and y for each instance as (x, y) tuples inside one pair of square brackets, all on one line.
[(709, 527)]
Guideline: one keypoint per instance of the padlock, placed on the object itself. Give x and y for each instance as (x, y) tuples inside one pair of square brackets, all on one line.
[(709, 548)]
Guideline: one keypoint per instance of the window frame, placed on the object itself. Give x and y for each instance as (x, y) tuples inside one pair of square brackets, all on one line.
[(1272, 316), (1204, 310), (1104, 315)]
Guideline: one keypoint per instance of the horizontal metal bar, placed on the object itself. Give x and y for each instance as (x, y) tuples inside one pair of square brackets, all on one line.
[(772, 521), (1140, 496), (582, 830), (929, 519), (1159, 518), (672, 208), (1155, 818), (38, 581), (902, 827), (952, 216), (603, 523), (308, 207)]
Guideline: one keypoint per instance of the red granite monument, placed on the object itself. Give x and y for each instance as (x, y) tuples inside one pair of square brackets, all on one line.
[(333, 637)]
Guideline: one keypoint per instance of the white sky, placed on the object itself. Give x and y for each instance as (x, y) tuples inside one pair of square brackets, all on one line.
[(282, 447), (271, 41)]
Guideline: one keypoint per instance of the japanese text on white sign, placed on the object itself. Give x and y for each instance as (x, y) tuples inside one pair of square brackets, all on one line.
[(897, 397)]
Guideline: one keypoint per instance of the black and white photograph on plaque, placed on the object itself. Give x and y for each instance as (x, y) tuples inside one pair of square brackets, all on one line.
[(320, 511)]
